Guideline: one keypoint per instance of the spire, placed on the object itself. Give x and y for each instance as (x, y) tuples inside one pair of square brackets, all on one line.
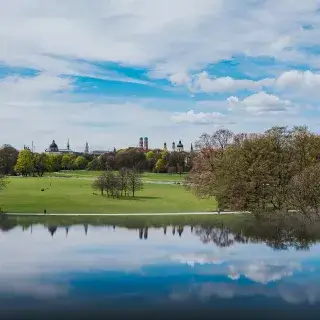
[(68, 144), (86, 149)]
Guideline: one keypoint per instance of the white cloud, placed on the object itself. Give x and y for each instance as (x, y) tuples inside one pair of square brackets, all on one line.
[(198, 118), (303, 84), (44, 108), (261, 103), (164, 35), (202, 82)]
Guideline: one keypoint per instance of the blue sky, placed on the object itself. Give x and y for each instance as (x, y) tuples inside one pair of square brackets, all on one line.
[(108, 72)]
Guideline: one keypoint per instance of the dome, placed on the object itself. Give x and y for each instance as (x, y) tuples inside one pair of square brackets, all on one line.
[(179, 145), (53, 146)]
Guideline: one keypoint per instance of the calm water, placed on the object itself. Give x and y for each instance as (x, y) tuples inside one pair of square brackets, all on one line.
[(116, 272)]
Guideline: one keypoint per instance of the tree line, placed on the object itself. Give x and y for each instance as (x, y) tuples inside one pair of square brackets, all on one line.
[(27, 163), (272, 174)]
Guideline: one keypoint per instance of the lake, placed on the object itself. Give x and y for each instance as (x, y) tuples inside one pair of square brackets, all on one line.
[(85, 271)]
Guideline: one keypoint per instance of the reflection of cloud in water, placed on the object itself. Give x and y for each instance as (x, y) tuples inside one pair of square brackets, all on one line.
[(263, 272), (33, 287), (196, 258), (289, 292)]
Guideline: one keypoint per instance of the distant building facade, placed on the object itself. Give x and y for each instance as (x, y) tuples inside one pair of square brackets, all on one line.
[(54, 149)]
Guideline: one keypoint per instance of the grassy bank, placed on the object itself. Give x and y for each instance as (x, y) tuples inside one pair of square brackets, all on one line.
[(77, 196), (131, 222), (145, 176)]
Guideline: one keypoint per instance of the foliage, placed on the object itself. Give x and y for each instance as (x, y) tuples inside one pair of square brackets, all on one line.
[(80, 163), (41, 163), (8, 159), (66, 162), (259, 173), (24, 165)]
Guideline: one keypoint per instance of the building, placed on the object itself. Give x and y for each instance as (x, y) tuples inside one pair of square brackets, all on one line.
[(54, 149)]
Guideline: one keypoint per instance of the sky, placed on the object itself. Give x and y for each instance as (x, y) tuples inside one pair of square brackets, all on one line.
[(110, 71)]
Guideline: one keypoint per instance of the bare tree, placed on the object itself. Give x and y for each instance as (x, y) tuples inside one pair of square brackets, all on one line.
[(100, 183), (134, 181)]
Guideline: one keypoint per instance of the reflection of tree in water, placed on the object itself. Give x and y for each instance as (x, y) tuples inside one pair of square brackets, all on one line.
[(165, 230), (221, 236), (276, 236), (52, 229), (143, 233)]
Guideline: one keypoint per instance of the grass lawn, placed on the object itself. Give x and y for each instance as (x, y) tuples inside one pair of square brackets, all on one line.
[(145, 176), (76, 196)]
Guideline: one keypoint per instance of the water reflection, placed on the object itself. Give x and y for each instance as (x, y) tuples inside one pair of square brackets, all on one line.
[(182, 268)]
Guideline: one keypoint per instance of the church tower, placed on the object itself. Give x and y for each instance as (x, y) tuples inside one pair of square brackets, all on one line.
[(165, 147), (86, 149)]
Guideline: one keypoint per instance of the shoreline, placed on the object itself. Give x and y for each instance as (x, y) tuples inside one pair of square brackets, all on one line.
[(16, 214)]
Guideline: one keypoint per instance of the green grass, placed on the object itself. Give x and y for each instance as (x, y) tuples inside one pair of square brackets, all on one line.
[(145, 176), (76, 196)]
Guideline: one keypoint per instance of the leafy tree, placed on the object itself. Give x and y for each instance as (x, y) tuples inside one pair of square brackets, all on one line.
[(150, 155), (41, 163), (160, 165), (8, 159), (66, 162), (54, 162), (130, 158), (94, 165), (80, 163), (24, 165)]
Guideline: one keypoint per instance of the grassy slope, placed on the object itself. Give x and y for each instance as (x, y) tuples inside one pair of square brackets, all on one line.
[(76, 196)]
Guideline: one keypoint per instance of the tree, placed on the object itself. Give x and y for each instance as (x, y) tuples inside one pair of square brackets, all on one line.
[(80, 163), (94, 165), (150, 155), (304, 192), (134, 181), (3, 181), (66, 162), (24, 165), (8, 159), (41, 163), (100, 183), (54, 162), (123, 178), (259, 173), (160, 165)]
